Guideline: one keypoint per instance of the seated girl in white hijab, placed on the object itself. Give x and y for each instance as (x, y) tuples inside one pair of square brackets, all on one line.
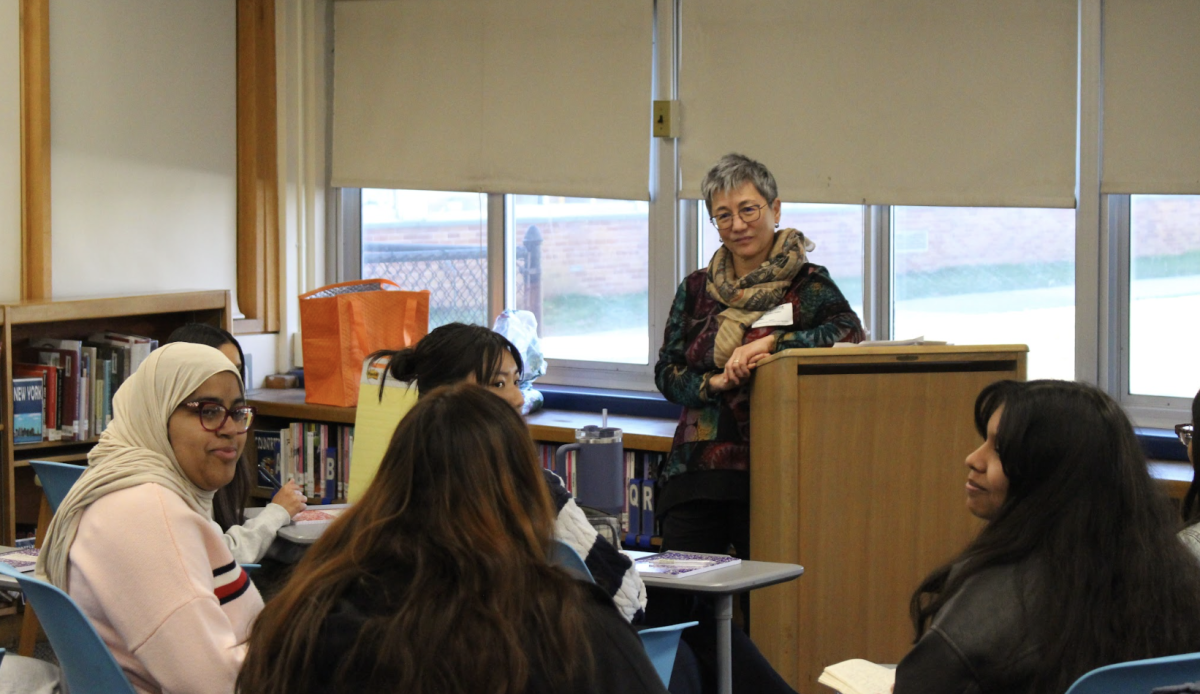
[(134, 542)]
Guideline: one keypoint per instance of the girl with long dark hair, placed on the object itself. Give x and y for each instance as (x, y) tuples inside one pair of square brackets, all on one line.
[(1078, 565), (437, 580)]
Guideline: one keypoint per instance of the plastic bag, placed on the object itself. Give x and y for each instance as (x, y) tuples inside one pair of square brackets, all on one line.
[(520, 327)]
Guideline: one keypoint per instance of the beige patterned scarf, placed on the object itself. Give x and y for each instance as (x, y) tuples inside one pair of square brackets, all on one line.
[(757, 292), (134, 449)]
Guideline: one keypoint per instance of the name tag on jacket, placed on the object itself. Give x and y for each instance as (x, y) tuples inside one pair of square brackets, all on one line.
[(781, 315)]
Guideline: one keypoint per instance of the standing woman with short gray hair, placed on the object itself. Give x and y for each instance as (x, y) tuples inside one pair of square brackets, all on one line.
[(758, 295)]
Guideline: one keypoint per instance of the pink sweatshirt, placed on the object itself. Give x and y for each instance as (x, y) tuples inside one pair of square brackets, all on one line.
[(160, 586)]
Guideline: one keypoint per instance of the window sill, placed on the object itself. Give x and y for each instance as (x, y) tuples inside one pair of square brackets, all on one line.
[(631, 403)]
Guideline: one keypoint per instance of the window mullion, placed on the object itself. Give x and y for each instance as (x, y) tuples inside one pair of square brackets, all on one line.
[(501, 257), (877, 272)]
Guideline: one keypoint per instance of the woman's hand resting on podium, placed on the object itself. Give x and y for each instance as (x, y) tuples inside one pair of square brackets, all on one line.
[(743, 360)]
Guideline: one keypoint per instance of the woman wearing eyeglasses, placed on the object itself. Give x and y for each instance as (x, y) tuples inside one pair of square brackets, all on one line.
[(758, 295), (134, 542), (248, 539), (1191, 509)]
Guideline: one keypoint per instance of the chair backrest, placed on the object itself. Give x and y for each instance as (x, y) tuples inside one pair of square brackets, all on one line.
[(661, 643), (87, 664), (56, 479), (1139, 675), (566, 558)]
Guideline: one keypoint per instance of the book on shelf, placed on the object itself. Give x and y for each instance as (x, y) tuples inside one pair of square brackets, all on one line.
[(67, 362), (315, 455), (28, 410), (50, 412), (858, 676), (672, 564)]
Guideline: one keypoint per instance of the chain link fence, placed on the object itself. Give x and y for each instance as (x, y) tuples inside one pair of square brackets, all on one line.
[(456, 276)]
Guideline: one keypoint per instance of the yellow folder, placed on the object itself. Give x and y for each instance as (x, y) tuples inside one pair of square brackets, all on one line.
[(375, 422)]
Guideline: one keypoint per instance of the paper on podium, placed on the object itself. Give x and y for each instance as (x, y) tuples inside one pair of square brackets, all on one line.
[(375, 422)]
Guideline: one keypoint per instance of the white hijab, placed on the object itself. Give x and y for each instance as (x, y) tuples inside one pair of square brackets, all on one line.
[(135, 449)]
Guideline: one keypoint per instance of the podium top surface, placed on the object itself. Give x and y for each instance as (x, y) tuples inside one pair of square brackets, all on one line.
[(891, 353)]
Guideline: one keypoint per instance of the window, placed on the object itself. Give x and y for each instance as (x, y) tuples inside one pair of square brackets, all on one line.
[(988, 276), (582, 267), (1164, 295), (430, 240)]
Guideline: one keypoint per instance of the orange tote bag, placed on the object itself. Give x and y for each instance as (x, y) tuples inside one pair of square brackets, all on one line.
[(342, 323)]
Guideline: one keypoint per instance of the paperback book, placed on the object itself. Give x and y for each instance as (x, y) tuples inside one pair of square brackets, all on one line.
[(858, 676), (27, 410), (683, 564)]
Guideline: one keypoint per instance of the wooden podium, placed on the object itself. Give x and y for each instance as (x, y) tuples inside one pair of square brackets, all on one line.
[(857, 474)]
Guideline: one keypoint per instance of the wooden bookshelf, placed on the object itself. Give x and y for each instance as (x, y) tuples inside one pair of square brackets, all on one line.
[(155, 316), (547, 426)]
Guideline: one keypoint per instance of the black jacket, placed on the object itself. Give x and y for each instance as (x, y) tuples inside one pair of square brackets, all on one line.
[(978, 642)]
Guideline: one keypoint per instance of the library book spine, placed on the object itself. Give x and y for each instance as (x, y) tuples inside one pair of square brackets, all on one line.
[(27, 410)]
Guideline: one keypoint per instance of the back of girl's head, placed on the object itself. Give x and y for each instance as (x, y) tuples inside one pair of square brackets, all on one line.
[(449, 354), (1085, 526), (453, 533)]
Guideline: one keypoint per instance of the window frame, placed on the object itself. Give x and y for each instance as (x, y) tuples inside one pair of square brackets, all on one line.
[(1160, 411)]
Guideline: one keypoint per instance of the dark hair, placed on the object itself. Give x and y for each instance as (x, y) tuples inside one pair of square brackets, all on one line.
[(229, 503), (1081, 509), (1191, 513), (459, 509), (449, 354)]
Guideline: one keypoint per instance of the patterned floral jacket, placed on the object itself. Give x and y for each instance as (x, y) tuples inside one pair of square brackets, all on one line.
[(714, 428)]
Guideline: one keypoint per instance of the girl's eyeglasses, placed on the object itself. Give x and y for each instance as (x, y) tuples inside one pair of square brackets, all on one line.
[(214, 414), (1184, 432)]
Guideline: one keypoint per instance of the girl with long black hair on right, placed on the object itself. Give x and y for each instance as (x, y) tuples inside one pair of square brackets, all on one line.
[(1078, 567)]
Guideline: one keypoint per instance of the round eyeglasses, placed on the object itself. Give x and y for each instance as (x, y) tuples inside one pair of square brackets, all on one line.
[(748, 213), (213, 415), (1184, 432)]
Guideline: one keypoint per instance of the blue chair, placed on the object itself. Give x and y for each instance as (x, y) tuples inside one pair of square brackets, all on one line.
[(87, 665), (661, 643), (1139, 675), (56, 479), (567, 559)]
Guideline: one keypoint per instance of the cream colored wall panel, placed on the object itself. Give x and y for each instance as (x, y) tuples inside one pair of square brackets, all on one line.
[(143, 135)]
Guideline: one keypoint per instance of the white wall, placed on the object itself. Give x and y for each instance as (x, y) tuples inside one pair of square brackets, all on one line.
[(143, 145), (10, 151)]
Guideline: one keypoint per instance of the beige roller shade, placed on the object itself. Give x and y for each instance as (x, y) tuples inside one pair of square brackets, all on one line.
[(504, 96), (921, 102), (1151, 97)]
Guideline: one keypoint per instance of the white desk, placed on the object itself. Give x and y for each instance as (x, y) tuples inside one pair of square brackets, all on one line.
[(724, 584)]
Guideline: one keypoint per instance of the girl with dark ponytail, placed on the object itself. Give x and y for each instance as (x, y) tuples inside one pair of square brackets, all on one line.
[(1078, 566), (460, 353)]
